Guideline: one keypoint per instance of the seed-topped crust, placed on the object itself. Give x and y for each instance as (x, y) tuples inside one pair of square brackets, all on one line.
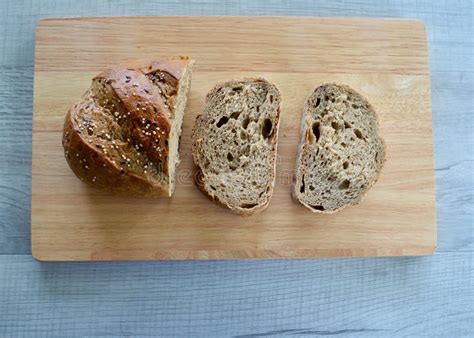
[(118, 136)]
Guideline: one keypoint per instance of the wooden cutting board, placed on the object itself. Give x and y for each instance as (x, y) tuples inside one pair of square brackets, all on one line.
[(385, 60)]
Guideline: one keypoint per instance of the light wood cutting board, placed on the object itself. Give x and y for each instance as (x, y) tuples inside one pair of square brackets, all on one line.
[(385, 60)]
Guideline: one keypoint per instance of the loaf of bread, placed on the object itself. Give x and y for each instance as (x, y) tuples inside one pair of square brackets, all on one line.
[(235, 144), (123, 135), (341, 153)]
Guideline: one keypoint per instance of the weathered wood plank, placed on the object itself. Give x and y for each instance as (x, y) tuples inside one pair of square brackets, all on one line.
[(430, 296)]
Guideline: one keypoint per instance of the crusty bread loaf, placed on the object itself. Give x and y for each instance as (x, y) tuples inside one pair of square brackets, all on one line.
[(123, 134), (340, 154), (235, 144)]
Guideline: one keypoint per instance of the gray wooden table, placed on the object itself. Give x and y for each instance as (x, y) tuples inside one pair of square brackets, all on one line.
[(432, 296)]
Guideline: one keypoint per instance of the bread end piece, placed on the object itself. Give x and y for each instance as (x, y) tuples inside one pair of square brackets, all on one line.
[(123, 135)]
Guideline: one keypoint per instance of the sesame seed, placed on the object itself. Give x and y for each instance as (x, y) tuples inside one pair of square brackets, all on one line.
[(86, 166), (94, 178)]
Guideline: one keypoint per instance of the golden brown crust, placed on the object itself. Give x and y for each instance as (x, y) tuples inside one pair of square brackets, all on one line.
[(173, 65), (146, 117)]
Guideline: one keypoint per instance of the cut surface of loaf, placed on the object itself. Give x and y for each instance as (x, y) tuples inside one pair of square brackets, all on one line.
[(235, 144), (341, 153), (123, 135)]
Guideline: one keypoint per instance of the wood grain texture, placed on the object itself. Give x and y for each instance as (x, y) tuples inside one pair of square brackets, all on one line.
[(73, 222), (384, 297), (451, 66)]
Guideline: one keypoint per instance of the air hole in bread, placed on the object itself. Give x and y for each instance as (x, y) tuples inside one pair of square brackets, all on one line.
[(213, 188), (254, 183), (358, 133), (355, 106), (235, 115), (344, 185), (237, 89), (318, 101), (345, 165), (248, 205), (335, 125), (223, 120), (245, 122), (311, 188), (347, 125), (267, 128), (230, 158), (302, 185), (128, 78), (271, 99), (316, 130), (317, 207), (257, 109)]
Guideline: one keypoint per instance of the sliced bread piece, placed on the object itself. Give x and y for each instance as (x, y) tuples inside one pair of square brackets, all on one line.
[(123, 134), (340, 154), (235, 144)]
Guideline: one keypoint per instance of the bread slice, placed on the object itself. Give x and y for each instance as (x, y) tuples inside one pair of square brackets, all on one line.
[(123, 134), (340, 154), (235, 144)]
